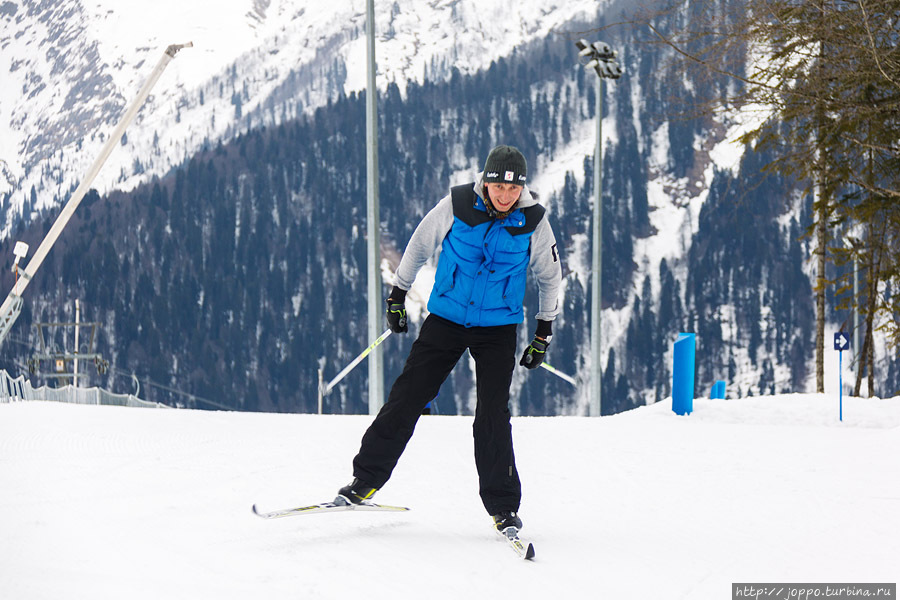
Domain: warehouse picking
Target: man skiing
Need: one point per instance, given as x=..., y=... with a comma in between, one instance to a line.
x=490, y=232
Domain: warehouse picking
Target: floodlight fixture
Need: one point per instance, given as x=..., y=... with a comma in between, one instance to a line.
x=585, y=51
x=600, y=57
x=20, y=251
x=611, y=70
x=603, y=50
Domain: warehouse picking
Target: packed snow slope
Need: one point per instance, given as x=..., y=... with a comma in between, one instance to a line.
x=106, y=502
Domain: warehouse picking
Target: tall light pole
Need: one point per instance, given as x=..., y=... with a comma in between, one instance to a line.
x=600, y=58
x=373, y=221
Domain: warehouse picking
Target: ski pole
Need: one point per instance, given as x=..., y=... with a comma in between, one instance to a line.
x=559, y=373
x=356, y=361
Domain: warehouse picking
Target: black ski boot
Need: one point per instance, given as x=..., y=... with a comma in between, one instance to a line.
x=506, y=519
x=355, y=492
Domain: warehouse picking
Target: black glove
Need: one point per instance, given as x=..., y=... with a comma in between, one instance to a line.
x=396, y=311
x=534, y=353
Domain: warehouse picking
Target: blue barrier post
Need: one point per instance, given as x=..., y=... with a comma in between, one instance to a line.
x=683, y=374
x=718, y=391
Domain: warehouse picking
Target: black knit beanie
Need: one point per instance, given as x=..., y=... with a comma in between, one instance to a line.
x=505, y=164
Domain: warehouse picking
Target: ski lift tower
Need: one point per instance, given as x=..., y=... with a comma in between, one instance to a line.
x=63, y=364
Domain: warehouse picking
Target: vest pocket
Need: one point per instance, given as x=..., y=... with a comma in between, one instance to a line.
x=446, y=280
x=515, y=291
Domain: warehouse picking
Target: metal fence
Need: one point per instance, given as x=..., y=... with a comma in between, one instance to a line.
x=16, y=389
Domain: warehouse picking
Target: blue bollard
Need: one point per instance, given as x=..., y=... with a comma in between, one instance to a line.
x=683, y=374
x=718, y=391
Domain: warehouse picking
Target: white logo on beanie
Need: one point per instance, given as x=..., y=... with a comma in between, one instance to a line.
x=508, y=176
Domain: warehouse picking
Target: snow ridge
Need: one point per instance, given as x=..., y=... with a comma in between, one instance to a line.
x=70, y=68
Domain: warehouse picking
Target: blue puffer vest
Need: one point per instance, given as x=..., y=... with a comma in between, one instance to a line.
x=480, y=279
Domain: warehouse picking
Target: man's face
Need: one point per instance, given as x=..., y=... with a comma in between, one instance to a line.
x=503, y=195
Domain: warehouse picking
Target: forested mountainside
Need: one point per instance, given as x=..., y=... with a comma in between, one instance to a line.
x=239, y=274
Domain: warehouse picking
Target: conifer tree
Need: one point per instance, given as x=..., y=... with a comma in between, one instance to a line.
x=829, y=72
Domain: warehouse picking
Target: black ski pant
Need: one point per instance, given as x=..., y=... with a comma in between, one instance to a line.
x=438, y=348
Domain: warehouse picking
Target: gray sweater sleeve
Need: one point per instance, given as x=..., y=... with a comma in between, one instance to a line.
x=547, y=271
x=424, y=242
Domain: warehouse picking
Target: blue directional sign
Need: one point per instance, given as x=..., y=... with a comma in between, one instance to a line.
x=841, y=343
x=842, y=340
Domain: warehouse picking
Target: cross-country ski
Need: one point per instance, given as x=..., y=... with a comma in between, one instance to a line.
x=325, y=507
x=521, y=547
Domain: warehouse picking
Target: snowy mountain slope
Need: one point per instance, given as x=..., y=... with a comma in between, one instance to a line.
x=69, y=68
x=107, y=502
x=258, y=63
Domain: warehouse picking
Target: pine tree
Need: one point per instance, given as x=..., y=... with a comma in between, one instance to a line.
x=831, y=71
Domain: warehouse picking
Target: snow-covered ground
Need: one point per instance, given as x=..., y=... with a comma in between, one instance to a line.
x=108, y=502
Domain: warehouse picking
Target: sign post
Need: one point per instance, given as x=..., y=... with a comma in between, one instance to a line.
x=841, y=343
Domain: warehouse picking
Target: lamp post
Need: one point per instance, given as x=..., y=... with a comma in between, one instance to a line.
x=600, y=58
x=375, y=308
